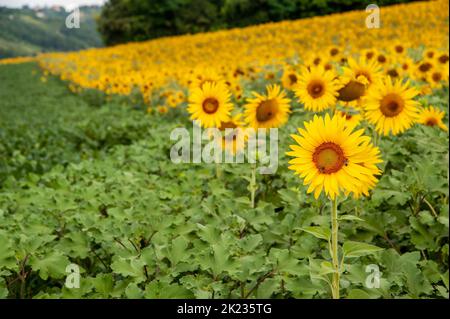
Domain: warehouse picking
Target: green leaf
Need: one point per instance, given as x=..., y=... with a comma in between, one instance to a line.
x=7, y=259
x=132, y=267
x=3, y=289
x=358, y=294
x=318, y=232
x=357, y=249
x=350, y=217
x=52, y=265
x=133, y=291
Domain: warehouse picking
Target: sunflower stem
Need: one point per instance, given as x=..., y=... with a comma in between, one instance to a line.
x=218, y=171
x=253, y=186
x=376, y=138
x=334, y=249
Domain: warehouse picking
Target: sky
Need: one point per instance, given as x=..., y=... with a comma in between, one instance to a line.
x=41, y=3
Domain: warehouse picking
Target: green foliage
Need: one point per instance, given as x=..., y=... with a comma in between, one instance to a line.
x=34, y=135
x=137, y=20
x=140, y=226
x=23, y=33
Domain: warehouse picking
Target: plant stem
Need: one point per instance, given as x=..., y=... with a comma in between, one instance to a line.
x=433, y=211
x=253, y=186
x=334, y=249
x=218, y=171
x=376, y=138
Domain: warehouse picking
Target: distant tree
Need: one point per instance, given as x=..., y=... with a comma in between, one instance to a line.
x=135, y=20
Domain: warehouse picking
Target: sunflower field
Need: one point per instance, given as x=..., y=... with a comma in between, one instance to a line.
x=356, y=208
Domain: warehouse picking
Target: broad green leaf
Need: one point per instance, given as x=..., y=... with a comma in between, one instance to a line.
x=357, y=249
x=319, y=232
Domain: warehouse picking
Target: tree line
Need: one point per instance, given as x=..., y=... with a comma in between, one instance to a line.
x=137, y=20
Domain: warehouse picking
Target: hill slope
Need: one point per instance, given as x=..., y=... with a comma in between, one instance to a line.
x=27, y=31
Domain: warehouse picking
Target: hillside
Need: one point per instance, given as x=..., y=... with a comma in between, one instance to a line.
x=28, y=31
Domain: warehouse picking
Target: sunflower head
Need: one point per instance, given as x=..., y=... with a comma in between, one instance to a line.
x=210, y=104
x=317, y=88
x=358, y=78
x=352, y=119
x=432, y=116
x=289, y=78
x=330, y=157
x=364, y=71
x=398, y=49
x=233, y=135
x=390, y=107
x=267, y=111
x=202, y=76
x=437, y=77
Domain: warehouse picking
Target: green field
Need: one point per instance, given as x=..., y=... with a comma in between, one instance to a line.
x=86, y=180
x=24, y=33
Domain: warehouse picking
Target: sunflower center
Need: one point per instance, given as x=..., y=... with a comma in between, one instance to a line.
x=437, y=77
x=316, y=89
x=225, y=125
x=424, y=67
x=381, y=58
x=334, y=51
x=266, y=110
x=443, y=58
x=391, y=105
x=329, y=158
x=399, y=49
x=369, y=55
x=431, y=122
x=210, y=105
x=352, y=91
x=293, y=78
x=393, y=73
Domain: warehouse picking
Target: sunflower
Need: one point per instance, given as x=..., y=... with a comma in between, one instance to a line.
x=383, y=59
x=334, y=52
x=234, y=137
x=393, y=72
x=436, y=78
x=210, y=104
x=429, y=54
x=205, y=75
x=352, y=119
x=162, y=109
x=289, y=78
x=368, y=54
x=422, y=69
x=442, y=58
x=266, y=111
x=405, y=66
x=390, y=107
x=398, y=49
x=331, y=157
x=358, y=78
x=432, y=116
x=317, y=89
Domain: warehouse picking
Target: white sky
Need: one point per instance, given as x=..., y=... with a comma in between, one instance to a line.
x=41, y=3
